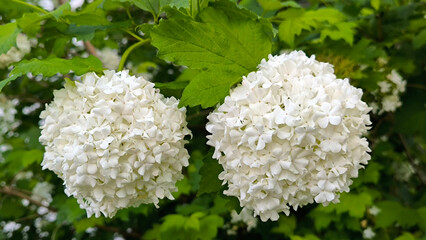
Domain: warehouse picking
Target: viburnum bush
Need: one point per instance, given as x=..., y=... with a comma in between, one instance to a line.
x=212, y=119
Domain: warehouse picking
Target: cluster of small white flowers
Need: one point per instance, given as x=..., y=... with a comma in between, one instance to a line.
x=7, y=116
x=245, y=216
x=115, y=140
x=390, y=90
x=16, y=54
x=289, y=134
x=7, y=121
x=42, y=192
x=109, y=58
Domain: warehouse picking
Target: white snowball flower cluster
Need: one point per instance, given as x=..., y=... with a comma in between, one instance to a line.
x=390, y=90
x=115, y=140
x=289, y=134
x=109, y=58
x=16, y=54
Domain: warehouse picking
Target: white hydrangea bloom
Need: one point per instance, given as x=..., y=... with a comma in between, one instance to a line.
x=390, y=90
x=289, y=134
x=115, y=140
x=109, y=58
x=16, y=54
x=245, y=216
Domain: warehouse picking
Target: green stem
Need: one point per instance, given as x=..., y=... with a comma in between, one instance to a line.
x=130, y=16
x=31, y=6
x=134, y=35
x=129, y=50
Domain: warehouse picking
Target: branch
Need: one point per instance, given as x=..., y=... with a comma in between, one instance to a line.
x=404, y=143
x=90, y=48
x=11, y=191
x=8, y=190
x=117, y=230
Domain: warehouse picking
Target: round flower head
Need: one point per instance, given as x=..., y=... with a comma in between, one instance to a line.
x=289, y=134
x=16, y=54
x=115, y=141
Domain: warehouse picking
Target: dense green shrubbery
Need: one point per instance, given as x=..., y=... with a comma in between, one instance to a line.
x=196, y=51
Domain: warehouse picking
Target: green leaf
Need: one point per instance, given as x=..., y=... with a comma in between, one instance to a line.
x=272, y=5
x=8, y=34
x=209, y=176
x=342, y=30
x=93, y=18
x=209, y=88
x=375, y=4
x=85, y=223
x=389, y=213
x=406, y=236
x=11, y=208
x=52, y=66
x=68, y=209
x=57, y=13
x=286, y=225
x=30, y=23
x=306, y=237
x=322, y=219
x=32, y=156
x=420, y=39
x=354, y=204
x=422, y=215
x=224, y=45
x=371, y=174
x=156, y=6
x=209, y=226
x=297, y=20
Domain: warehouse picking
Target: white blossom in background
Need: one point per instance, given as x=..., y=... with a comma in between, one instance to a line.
x=42, y=192
x=245, y=216
x=15, y=54
x=374, y=210
x=7, y=122
x=7, y=116
x=289, y=135
x=11, y=227
x=76, y=4
x=389, y=93
x=115, y=140
x=109, y=58
x=48, y=5
x=368, y=233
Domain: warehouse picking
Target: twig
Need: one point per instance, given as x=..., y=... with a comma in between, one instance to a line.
x=419, y=86
x=90, y=48
x=8, y=190
x=404, y=143
x=198, y=114
x=31, y=6
x=30, y=217
x=117, y=230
